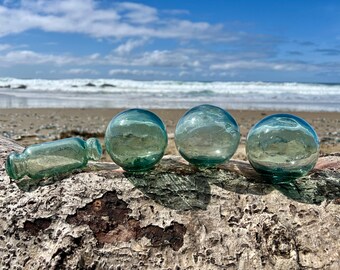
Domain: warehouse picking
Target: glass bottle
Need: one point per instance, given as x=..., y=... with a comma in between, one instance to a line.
x=52, y=158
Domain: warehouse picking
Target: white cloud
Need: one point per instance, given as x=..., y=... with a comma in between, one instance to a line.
x=4, y=47
x=69, y=7
x=137, y=72
x=80, y=71
x=262, y=65
x=185, y=29
x=166, y=58
x=128, y=46
x=94, y=56
x=182, y=63
x=138, y=13
x=123, y=19
x=27, y=57
x=223, y=74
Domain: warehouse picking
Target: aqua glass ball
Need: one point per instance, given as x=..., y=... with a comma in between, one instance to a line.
x=283, y=146
x=136, y=139
x=207, y=136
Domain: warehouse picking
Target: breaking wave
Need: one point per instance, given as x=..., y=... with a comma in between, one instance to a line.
x=168, y=94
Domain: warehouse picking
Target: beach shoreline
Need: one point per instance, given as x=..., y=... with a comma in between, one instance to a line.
x=30, y=126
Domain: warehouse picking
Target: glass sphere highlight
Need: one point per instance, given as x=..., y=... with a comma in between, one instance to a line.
x=136, y=139
x=283, y=146
x=207, y=135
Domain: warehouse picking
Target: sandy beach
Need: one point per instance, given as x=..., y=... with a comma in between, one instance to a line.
x=30, y=126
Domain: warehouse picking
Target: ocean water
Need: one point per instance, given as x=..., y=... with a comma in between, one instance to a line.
x=109, y=93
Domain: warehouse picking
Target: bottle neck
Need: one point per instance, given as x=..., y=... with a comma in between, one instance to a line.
x=93, y=149
x=16, y=166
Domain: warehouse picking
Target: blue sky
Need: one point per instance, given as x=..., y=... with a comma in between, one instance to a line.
x=200, y=40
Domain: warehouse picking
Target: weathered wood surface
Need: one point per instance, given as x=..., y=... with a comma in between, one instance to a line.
x=174, y=217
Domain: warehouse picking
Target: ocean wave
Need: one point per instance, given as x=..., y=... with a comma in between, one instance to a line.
x=112, y=85
x=175, y=94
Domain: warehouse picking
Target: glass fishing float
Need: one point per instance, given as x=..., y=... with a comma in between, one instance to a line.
x=283, y=146
x=136, y=139
x=207, y=135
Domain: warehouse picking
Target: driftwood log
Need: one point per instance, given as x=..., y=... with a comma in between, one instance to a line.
x=174, y=217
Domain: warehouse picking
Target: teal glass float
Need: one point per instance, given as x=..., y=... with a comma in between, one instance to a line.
x=136, y=139
x=52, y=158
x=207, y=135
x=282, y=146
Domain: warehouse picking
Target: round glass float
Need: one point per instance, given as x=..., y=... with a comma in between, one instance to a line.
x=136, y=139
x=206, y=136
x=283, y=146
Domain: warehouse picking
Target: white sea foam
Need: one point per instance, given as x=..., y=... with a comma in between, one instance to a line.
x=168, y=94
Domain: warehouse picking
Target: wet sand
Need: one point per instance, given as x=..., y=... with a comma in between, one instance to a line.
x=29, y=126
